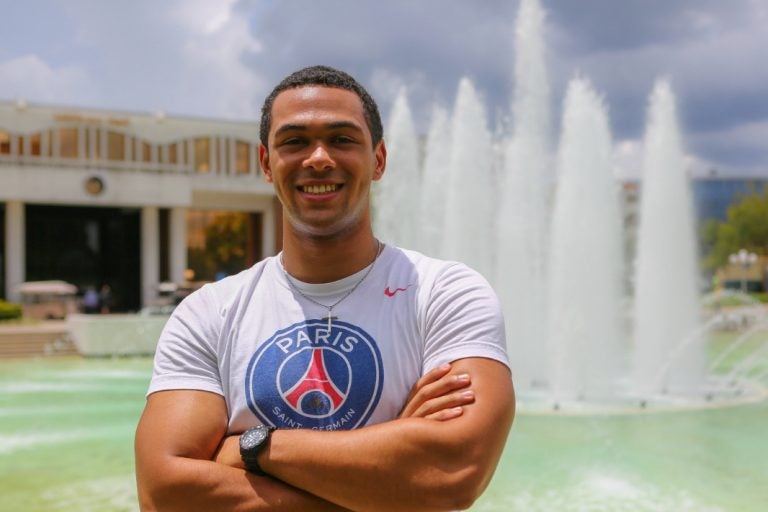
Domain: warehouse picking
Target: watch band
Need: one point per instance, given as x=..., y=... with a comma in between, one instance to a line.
x=250, y=454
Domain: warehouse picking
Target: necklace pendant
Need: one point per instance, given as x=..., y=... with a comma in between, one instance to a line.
x=330, y=318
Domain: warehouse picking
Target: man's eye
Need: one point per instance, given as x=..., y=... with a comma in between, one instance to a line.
x=343, y=139
x=292, y=141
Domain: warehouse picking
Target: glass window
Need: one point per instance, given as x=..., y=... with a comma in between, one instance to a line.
x=115, y=146
x=146, y=152
x=35, y=144
x=242, y=157
x=68, y=142
x=173, y=156
x=5, y=143
x=202, y=161
x=217, y=243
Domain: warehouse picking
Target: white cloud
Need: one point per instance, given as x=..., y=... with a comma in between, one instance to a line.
x=213, y=69
x=30, y=77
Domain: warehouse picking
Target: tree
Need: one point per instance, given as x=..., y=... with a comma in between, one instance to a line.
x=746, y=227
x=225, y=247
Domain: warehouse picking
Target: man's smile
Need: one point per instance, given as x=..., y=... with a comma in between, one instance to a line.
x=320, y=189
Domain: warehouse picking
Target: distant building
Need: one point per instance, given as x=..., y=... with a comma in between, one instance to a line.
x=713, y=195
x=97, y=197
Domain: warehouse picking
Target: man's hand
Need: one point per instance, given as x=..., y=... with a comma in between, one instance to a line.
x=439, y=395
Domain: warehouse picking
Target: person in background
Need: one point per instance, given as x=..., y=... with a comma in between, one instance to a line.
x=90, y=301
x=105, y=299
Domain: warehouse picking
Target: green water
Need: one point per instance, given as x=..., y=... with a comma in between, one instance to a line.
x=66, y=443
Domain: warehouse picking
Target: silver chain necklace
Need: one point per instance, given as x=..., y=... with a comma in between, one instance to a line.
x=288, y=278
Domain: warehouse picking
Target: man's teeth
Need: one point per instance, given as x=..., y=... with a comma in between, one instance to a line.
x=319, y=189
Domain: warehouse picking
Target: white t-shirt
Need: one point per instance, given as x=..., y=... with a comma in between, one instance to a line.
x=267, y=350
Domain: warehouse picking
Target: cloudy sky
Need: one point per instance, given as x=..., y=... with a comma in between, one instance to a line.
x=218, y=58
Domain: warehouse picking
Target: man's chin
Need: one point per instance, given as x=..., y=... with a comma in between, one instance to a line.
x=323, y=229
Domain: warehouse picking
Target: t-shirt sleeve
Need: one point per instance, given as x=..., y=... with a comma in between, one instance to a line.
x=463, y=319
x=186, y=351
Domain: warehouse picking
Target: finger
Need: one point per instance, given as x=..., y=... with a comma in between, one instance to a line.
x=445, y=402
x=443, y=387
x=431, y=376
x=446, y=414
x=434, y=375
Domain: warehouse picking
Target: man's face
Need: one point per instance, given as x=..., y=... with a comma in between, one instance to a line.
x=321, y=159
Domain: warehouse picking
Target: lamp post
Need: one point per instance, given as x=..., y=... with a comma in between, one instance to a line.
x=745, y=259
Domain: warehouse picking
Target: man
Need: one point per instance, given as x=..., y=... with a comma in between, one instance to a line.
x=383, y=371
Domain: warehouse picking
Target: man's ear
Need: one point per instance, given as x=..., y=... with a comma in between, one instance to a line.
x=380, y=153
x=264, y=162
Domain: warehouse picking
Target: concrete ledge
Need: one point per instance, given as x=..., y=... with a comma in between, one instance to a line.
x=34, y=340
x=115, y=335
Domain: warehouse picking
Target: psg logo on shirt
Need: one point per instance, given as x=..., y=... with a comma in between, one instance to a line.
x=307, y=377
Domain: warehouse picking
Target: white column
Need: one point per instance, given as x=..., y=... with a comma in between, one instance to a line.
x=14, y=249
x=177, y=250
x=150, y=253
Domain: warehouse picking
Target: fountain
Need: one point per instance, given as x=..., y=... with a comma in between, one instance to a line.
x=433, y=199
x=404, y=182
x=578, y=341
x=523, y=217
x=666, y=303
x=586, y=258
x=466, y=229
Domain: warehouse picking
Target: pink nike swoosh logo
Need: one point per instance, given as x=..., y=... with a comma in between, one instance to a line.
x=390, y=293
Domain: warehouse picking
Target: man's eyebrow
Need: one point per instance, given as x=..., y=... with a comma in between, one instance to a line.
x=290, y=127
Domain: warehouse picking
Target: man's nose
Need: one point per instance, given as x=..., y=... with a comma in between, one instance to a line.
x=319, y=159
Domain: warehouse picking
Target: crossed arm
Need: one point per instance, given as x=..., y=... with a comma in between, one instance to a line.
x=185, y=460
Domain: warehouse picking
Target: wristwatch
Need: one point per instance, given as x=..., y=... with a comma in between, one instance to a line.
x=252, y=442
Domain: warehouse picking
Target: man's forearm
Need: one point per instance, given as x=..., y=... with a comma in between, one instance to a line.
x=177, y=437
x=189, y=484
x=398, y=465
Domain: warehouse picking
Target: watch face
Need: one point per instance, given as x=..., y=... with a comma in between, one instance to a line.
x=253, y=437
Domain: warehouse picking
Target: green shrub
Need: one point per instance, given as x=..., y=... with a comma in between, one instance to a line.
x=9, y=311
x=761, y=296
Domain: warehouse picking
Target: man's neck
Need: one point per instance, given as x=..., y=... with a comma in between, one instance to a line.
x=323, y=260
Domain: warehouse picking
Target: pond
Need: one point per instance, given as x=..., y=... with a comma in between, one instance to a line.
x=66, y=443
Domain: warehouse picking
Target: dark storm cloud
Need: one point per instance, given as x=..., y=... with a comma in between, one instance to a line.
x=708, y=49
x=429, y=44
x=596, y=25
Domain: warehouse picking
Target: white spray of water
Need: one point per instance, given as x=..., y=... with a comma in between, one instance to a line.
x=436, y=162
x=586, y=258
x=400, y=188
x=666, y=302
x=522, y=223
x=468, y=186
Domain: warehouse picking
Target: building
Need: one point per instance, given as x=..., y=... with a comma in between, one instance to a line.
x=714, y=194
x=96, y=197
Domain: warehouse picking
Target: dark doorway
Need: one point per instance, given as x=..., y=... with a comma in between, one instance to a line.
x=88, y=247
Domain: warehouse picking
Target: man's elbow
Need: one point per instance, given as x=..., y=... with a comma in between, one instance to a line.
x=460, y=489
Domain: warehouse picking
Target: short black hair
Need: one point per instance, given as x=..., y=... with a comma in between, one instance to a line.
x=328, y=77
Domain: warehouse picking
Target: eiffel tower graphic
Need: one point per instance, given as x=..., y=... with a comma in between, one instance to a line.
x=315, y=379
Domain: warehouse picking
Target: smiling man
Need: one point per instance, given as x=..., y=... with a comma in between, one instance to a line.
x=341, y=374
